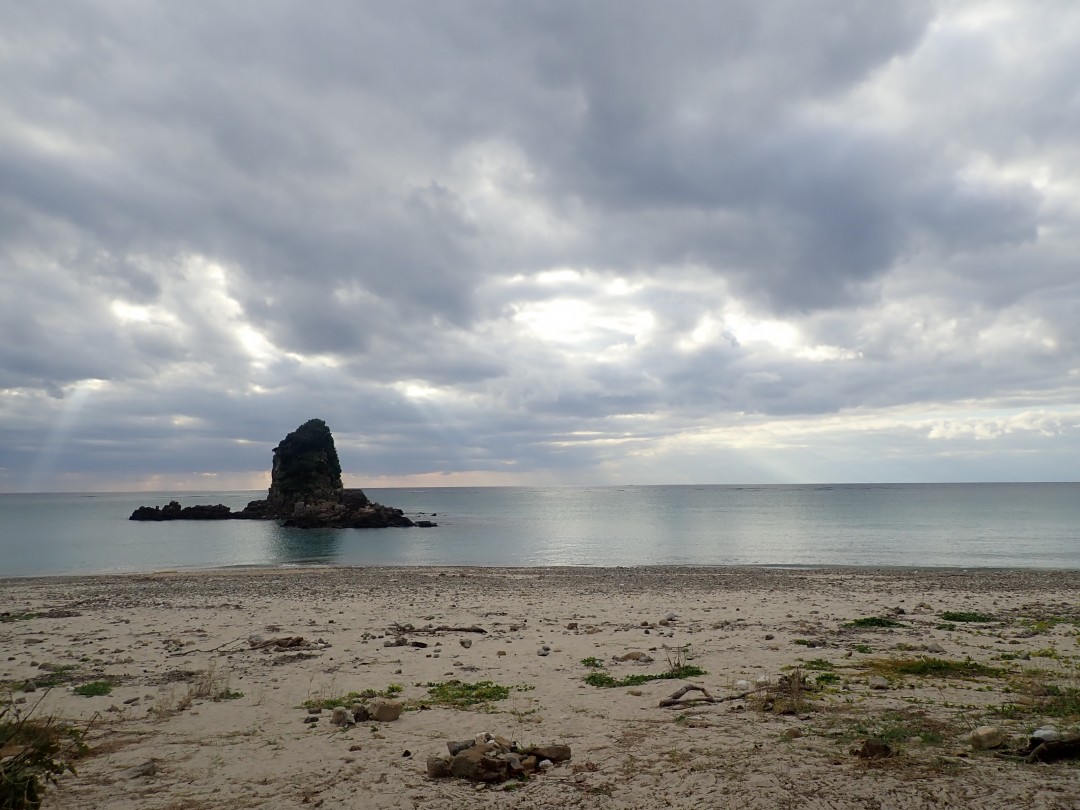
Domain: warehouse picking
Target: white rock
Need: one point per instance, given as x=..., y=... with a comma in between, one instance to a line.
x=742, y=686
x=1046, y=734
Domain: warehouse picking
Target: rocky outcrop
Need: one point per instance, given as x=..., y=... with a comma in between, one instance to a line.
x=173, y=511
x=305, y=491
x=305, y=470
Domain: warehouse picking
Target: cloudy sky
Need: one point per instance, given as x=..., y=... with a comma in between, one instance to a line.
x=537, y=242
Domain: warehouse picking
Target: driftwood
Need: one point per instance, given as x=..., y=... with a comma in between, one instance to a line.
x=672, y=701
x=1052, y=751
x=406, y=629
x=254, y=643
x=182, y=653
x=280, y=643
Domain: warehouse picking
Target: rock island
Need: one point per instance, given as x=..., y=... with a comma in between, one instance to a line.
x=305, y=492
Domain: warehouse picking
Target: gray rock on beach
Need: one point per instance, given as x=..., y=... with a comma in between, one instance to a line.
x=479, y=764
x=385, y=711
x=986, y=737
x=341, y=717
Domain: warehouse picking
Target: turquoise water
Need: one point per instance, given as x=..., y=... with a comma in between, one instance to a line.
x=963, y=525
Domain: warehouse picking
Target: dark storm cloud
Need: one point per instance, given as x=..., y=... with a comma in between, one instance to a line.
x=531, y=235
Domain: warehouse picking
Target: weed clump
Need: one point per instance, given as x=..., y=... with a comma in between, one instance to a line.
x=928, y=667
x=898, y=726
x=33, y=754
x=604, y=680
x=459, y=695
x=966, y=616
x=874, y=621
x=93, y=689
x=8, y=616
x=787, y=695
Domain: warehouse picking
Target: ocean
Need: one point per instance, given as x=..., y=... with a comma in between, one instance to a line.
x=872, y=525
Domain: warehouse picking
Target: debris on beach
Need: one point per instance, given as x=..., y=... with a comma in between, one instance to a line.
x=1054, y=750
x=490, y=758
x=872, y=749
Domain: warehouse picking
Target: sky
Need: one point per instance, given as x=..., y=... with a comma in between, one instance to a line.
x=539, y=242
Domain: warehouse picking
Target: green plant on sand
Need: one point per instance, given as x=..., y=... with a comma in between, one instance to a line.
x=93, y=689
x=460, y=695
x=603, y=679
x=928, y=667
x=965, y=616
x=33, y=754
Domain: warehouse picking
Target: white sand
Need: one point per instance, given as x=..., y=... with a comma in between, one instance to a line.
x=256, y=751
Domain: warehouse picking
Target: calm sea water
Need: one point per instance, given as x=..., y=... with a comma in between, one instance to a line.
x=964, y=525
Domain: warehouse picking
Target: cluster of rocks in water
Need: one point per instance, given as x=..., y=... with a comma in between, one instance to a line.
x=491, y=758
x=305, y=492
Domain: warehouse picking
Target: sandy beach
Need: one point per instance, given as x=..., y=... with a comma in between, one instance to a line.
x=210, y=676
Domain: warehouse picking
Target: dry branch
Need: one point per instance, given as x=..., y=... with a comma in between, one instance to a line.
x=674, y=699
x=406, y=629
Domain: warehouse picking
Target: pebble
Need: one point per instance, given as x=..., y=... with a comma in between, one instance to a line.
x=465, y=642
x=545, y=650
x=877, y=682
x=148, y=768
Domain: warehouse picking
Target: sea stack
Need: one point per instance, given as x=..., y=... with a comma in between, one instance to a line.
x=305, y=491
x=305, y=469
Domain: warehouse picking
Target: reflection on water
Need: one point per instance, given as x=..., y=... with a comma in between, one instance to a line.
x=288, y=545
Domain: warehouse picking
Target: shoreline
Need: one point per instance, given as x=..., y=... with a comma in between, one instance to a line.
x=241, y=569
x=159, y=638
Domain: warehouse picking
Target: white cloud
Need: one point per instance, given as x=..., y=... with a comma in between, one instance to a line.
x=598, y=243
